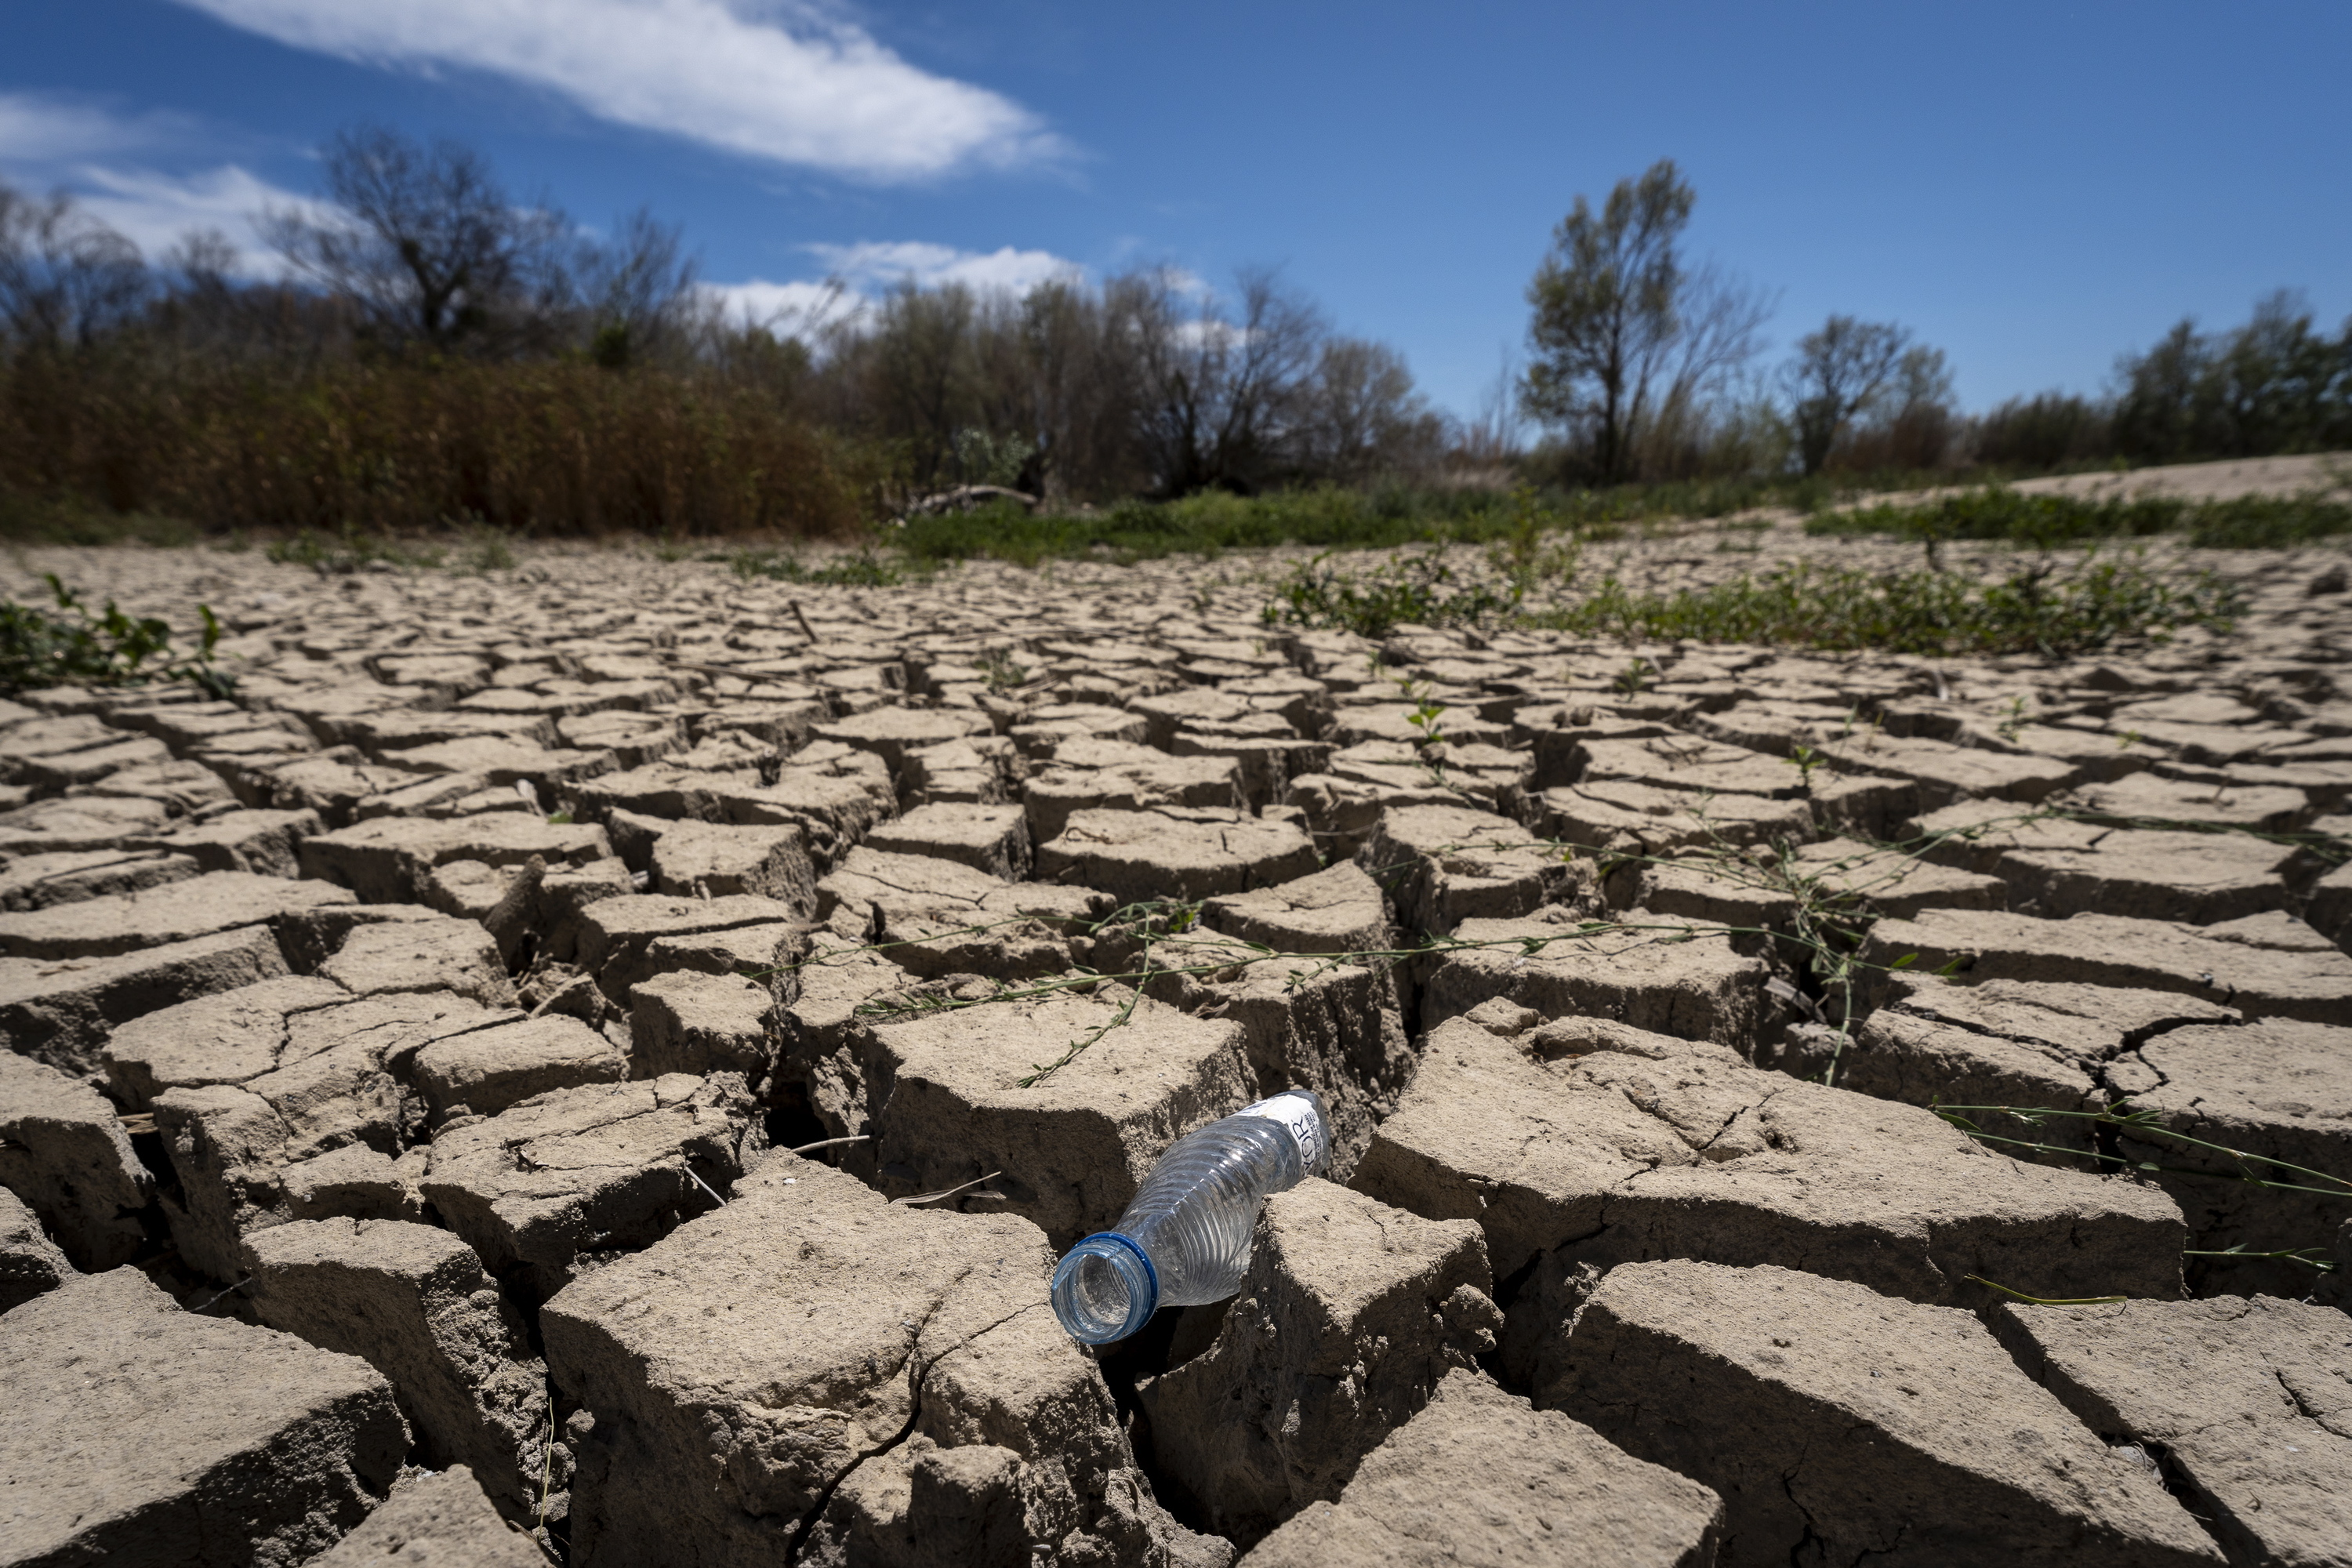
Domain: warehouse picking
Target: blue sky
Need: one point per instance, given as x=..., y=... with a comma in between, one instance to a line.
x=2034, y=188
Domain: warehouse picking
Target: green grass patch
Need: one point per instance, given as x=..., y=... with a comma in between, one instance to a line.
x=76, y=645
x=486, y=549
x=351, y=549
x=26, y=520
x=2039, y=610
x=1003, y=673
x=1331, y=518
x=2262, y=522
x=1206, y=524
x=1418, y=590
x=480, y=548
x=1996, y=512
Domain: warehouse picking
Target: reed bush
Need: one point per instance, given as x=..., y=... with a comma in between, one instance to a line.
x=543, y=449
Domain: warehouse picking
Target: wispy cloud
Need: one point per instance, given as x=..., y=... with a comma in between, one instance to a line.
x=790, y=81
x=855, y=274
x=44, y=128
x=871, y=265
x=99, y=155
x=157, y=209
x=790, y=309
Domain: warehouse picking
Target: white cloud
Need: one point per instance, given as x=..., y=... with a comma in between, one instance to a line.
x=156, y=210
x=1187, y=283
x=793, y=84
x=872, y=265
x=855, y=274
x=39, y=127
x=93, y=153
x=788, y=310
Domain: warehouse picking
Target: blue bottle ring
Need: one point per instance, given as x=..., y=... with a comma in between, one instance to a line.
x=1127, y=1258
x=1151, y=1275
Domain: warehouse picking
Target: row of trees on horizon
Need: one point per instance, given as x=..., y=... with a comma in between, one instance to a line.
x=1645, y=367
x=435, y=348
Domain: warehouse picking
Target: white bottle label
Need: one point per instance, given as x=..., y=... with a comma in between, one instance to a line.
x=1298, y=1117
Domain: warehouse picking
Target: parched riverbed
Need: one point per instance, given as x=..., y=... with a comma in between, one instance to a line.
x=610, y=1051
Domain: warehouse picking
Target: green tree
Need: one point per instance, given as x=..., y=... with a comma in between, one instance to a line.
x=1604, y=305
x=2274, y=385
x=1623, y=332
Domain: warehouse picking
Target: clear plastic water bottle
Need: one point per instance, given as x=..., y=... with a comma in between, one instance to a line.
x=1185, y=1239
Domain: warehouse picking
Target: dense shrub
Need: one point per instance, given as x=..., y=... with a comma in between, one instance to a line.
x=2036, y=434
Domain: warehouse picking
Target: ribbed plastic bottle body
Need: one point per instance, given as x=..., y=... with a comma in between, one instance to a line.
x=1195, y=1212
x=1185, y=1237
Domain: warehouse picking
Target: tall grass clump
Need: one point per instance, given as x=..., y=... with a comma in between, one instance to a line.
x=2260, y=523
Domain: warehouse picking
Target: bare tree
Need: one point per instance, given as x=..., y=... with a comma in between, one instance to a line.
x=1144, y=382
x=1268, y=357
x=67, y=279
x=206, y=310
x=1360, y=417
x=1219, y=390
x=426, y=243
x=1839, y=370
x=1493, y=435
x=202, y=261
x=1718, y=331
x=636, y=290
x=1606, y=314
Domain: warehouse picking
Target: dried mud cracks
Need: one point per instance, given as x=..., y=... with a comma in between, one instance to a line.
x=405, y=1062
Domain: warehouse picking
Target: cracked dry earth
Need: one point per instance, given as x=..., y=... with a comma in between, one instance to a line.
x=406, y=1063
